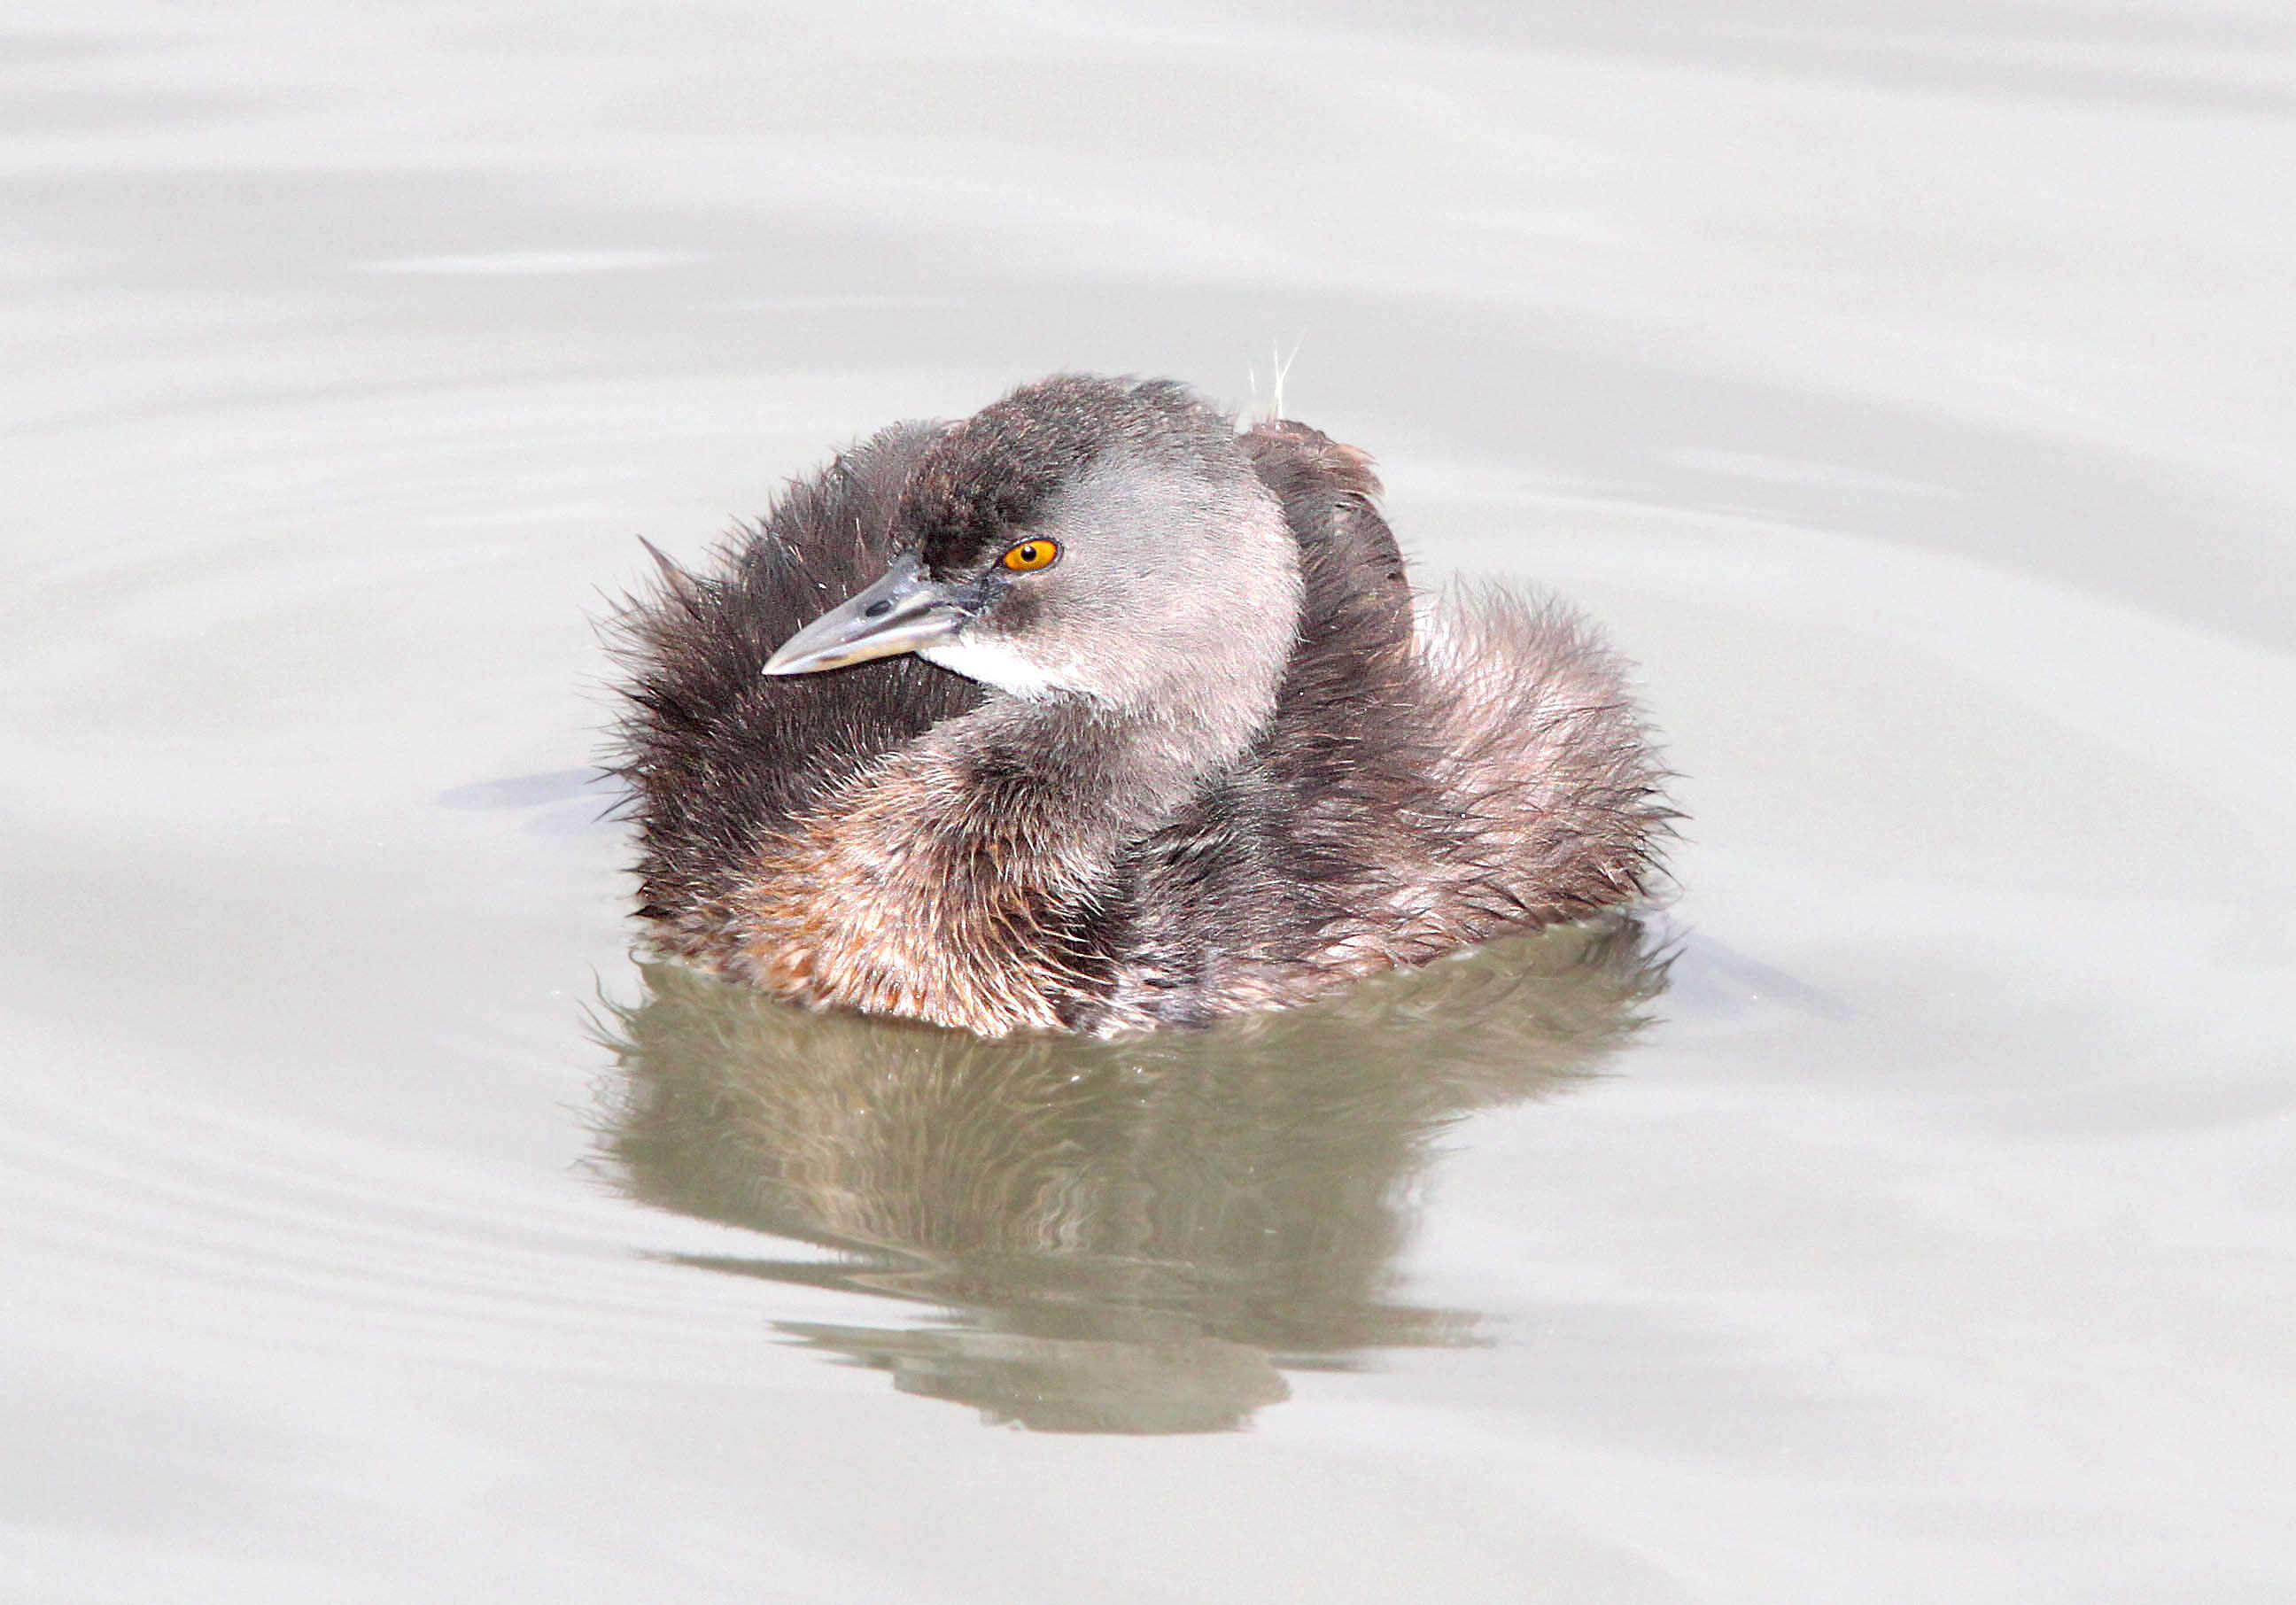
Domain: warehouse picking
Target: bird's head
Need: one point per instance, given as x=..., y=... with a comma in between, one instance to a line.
x=1084, y=537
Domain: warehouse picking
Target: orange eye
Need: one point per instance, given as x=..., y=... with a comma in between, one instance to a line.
x=1029, y=556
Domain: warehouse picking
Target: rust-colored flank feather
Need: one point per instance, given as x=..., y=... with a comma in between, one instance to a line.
x=1212, y=758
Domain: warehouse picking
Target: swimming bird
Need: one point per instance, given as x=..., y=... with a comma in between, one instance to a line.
x=1091, y=713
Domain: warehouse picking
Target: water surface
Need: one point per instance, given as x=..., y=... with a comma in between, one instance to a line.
x=1906, y=1217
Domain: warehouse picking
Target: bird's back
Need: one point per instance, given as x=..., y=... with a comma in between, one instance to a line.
x=1428, y=782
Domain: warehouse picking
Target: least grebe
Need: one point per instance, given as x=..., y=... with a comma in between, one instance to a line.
x=1090, y=713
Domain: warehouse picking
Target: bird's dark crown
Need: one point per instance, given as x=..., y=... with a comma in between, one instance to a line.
x=991, y=475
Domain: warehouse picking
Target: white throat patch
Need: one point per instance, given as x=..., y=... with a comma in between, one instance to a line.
x=994, y=663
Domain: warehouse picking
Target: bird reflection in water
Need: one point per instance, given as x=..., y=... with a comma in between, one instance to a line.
x=1132, y=1235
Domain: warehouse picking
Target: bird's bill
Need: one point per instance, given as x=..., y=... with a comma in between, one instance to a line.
x=905, y=610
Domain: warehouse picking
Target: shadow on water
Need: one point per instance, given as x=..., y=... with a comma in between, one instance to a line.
x=1133, y=1236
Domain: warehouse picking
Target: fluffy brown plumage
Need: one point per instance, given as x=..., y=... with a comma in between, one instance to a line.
x=1220, y=763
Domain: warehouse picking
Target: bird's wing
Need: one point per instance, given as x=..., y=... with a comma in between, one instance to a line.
x=719, y=755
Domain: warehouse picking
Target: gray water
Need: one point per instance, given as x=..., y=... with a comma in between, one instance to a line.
x=1905, y=1216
